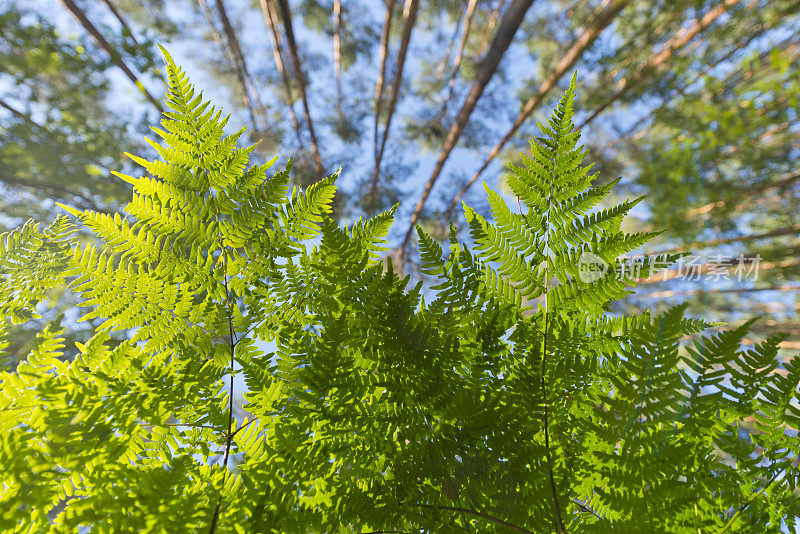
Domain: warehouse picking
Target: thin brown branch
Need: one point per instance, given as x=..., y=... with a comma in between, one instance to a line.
x=379, y=85
x=17, y=113
x=127, y=28
x=243, y=426
x=451, y=84
x=247, y=103
x=409, y=19
x=661, y=57
x=101, y=41
x=449, y=50
x=654, y=28
x=487, y=34
x=585, y=508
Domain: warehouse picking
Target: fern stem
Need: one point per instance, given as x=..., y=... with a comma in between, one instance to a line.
x=558, y=523
x=457, y=500
x=512, y=526
x=214, y=518
x=248, y=423
x=752, y=498
x=232, y=345
x=585, y=508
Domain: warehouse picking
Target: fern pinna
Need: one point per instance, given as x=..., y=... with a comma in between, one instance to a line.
x=512, y=401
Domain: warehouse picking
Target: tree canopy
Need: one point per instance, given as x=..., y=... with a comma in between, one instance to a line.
x=692, y=101
x=379, y=410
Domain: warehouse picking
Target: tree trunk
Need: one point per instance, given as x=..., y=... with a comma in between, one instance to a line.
x=409, y=18
x=658, y=59
x=450, y=44
x=244, y=95
x=451, y=84
x=384, y=53
x=597, y=22
x=508, y=27
x=102, y=43
x=487, y=34
x=301, y=84
x=337, y=53
x=277, y=47
x=241, y=66
x=126, y=27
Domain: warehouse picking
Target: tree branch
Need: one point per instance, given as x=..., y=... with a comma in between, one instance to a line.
x=101, y=41
x=451, y=84
x=668, y=50
x=240, y=65
x=228, y=51
x=384, y=53
x=682, y=90
x=487, y=34
x=127, y=28
x=337, y=53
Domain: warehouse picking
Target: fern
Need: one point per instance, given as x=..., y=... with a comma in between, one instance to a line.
x=511, y=402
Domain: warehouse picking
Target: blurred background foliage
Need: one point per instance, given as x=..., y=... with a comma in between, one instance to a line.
x=693, y=102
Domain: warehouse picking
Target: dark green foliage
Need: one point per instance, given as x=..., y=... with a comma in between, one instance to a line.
x=58, y=139
x=376, y=411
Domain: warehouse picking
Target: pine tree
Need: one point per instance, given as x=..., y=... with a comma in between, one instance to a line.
x=377, y=411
